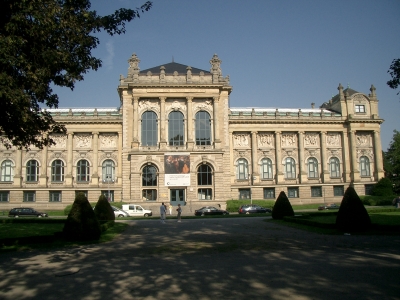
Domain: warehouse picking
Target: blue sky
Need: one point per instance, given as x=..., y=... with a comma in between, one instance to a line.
x=286, y=53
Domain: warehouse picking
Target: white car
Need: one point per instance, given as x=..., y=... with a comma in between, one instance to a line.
x=119, y=213
x=135, y=210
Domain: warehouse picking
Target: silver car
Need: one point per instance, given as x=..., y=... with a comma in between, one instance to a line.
x=119, y=213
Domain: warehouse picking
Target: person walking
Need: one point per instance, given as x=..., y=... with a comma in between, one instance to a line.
x=179, y=210
x=170, y=209
x=162, y=212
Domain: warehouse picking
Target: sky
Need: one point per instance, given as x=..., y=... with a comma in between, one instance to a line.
x=281, y=53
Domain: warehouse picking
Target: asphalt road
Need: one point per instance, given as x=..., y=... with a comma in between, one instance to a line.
x=234, y=258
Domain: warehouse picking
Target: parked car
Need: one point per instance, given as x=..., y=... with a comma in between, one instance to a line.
x=253, y=209
x=119, y=213
x=26, y=212
x=328, y=206
x=210, y=210
x=135, y=210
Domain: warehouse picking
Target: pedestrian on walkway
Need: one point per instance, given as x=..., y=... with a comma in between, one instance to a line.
x=170, y=209
x=179, y=210
x=163, y=210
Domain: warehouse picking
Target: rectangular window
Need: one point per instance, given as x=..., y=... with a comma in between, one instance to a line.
x=149, y=195
x=293, y=192
x=204, y=194
x=244, y=194
x=360, y=109
x=29, y=196
x=55, y=196
x=4, y=196
x=109, y=195
x=369, y=188
x=269, y=193
x=338, y=190
x=316, y=191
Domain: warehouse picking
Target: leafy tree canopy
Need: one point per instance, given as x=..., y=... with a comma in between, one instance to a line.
x=45, y=42
x=394, y=71
x=392, y=160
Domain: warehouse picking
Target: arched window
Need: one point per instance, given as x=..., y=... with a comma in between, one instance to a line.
x=57, y=170
x=312, y=167
x=290, y=168
x=82, y=171
x=203, y=128
x=7, y=172
x=266, y=169
x=364, y=166
x=334, y=167
x=32, y=171
x=176, y=131
x=108, y=170
x=242, y=169
x=149, y=176
x=149, y=129
x=204, y=177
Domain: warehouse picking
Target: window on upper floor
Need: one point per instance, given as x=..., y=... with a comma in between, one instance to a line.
x=312, y=167
x=83, y=171
x=176, y=129
x=334, y=167
x=57, y=171
x=204, y=175
x=203, y=128
x=242, y=169
x=108, y=171
x=149, y=129
x=360, y=108
x=266, y=169
x=149, y=176
x=364, y=166
x=7, y=173
x=290, y=168
x=32, y=171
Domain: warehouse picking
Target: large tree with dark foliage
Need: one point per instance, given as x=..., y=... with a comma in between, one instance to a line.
x=45, y=43
x=394, y=71
x=392, y=161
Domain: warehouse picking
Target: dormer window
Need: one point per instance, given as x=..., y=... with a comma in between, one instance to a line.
x=360, y=108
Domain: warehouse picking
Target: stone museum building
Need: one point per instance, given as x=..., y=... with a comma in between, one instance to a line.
x=175, y=138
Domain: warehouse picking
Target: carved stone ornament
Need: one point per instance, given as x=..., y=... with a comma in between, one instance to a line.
x=241, y=140
x=333, y=139
x=108, y=141
x=83, y=141
x=148, y=105
x=311, y=139
x=363, y=139
x=289, y=140
x=365, y=152
x=176, y=105
x=207, y=105
x=60, y=140
x=265, y=140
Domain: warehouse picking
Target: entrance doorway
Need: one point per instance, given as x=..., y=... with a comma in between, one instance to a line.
x=177, y=196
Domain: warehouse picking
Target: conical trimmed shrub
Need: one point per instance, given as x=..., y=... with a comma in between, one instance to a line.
x=282, y=207
x=103, y=210
x=352, y=215
x=81, y=224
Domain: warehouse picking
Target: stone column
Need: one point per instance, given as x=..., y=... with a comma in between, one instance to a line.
x=217, y=141
x=254, y=155
x=43, y=171
x=18, y=169
x=346, y=165
x=379, y=173
x=278, y=158
x=135, y=123
x=119, y=167
x=355, y=172
x=189, y=134
x=69, y=176
x=163, y=134
x=95, y=173
x=324, y=172
x=302, y=169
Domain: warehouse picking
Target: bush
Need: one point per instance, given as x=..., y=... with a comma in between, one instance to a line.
x=282, y=207
x=377, y=200
x=104, y=211
x=383, y=188
x=352, y=215
x=81, y=224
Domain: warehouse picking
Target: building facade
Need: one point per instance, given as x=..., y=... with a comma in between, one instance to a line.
x=176, y=139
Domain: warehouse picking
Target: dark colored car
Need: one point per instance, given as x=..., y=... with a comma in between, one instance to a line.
x=209, y=210
x=328, y=206
x=26, y=212
x=253, y=209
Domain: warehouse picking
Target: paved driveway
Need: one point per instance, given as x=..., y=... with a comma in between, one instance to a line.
x=238, y=258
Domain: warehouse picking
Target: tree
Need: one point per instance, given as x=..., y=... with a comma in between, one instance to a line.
x=282, y=207
x=394, y=71
x=45, y=43
x=383, y=187
x=392, y=161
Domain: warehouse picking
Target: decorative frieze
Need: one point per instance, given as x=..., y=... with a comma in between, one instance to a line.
x=60, y=141
x=241, y=140
x=289, y=140
x=311, y=139
x=83, y=141
x=333, y=139
x=108, y=141
x=266, y=140
x=363, y=139
x=145, y=105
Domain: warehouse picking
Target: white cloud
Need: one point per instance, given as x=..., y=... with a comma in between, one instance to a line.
x=108, y=60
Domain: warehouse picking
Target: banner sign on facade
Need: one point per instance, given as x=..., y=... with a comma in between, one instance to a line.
x=177, y=169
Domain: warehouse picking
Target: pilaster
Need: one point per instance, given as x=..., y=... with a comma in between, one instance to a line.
x=190, y=142
x=163, y=140
x=134, y=116
x=278, y=157
x=254, y=155
x=379, y=173
x=95, y=175
x=302, y=170
x=324, y=170
x=69, y=176
x=217, y=141
x=355, y=174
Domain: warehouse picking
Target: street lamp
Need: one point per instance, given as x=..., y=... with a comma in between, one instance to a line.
x=108, y=180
